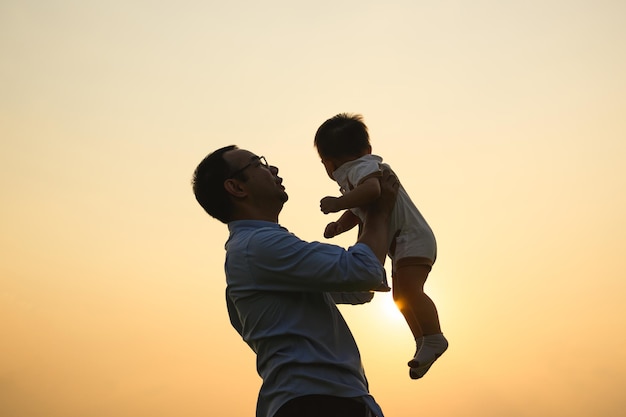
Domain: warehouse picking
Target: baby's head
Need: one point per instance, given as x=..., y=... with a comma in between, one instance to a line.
x=340, y=139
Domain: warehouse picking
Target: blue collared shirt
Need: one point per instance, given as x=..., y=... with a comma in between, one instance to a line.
x=278, y=301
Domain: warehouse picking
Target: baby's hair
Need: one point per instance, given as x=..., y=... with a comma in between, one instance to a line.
x=343, y=135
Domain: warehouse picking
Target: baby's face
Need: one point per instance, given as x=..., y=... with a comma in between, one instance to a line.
x=330, y=167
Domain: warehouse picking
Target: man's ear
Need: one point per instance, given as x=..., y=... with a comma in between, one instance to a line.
x=235, y=188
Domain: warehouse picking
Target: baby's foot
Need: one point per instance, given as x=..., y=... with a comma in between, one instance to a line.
x=417, y=373
x=431, y=348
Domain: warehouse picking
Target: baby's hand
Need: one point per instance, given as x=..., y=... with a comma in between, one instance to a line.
x=333, y=229
x=329, y=205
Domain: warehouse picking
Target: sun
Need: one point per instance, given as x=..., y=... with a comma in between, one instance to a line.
x=389, y=308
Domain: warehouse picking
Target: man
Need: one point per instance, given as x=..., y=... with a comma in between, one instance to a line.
x=279, y=288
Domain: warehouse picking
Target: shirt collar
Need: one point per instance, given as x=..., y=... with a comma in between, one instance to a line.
x=251, y=224
x=342, y=171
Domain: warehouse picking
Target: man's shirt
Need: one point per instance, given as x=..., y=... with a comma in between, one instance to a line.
x=278, y=300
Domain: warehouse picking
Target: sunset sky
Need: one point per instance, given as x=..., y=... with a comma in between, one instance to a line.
x=505, y=121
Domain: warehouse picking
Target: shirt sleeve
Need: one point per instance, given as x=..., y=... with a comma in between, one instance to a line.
x=363, y=170
x=354, y=298
x=280, y=261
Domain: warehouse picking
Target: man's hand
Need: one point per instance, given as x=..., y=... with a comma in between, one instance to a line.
x=376, y=226
x=329, y=205
x=389, y=185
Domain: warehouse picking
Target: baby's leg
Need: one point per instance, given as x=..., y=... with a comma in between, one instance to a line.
x=417, y=308
x=420, y=313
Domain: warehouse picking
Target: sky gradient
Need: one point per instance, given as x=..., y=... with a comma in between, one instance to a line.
x=503, y=119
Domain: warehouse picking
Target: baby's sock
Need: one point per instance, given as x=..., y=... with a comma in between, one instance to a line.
x=418, y=344
x=431, y=347
x=434, y=345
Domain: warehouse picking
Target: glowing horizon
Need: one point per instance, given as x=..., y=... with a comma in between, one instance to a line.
x=504, y=121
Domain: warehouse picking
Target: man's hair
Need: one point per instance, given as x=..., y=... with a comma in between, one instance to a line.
x=208, y=184
x=342, y=135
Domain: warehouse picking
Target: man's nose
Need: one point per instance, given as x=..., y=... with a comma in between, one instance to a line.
x=273, y=169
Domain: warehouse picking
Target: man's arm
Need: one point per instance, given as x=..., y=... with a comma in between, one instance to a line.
x=280, y=261
x=376, y=225
x=354, y=298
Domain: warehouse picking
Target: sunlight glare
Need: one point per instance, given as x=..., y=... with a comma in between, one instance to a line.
x=391, y=310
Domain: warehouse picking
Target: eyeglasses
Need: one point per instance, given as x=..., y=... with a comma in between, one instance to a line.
x=260, y=159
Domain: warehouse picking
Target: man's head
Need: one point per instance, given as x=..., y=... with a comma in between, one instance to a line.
x=343, y=137
x=232, y=184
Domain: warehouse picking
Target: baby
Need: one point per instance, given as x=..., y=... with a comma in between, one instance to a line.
x=343, y=144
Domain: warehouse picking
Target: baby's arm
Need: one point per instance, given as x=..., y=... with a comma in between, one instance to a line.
x=365, y=193
x=346, y=222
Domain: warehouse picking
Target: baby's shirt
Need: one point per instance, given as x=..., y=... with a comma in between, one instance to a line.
x=353, y=173
x=416, y=237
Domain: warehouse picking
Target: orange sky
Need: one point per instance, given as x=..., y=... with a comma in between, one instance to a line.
x=503, y=119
